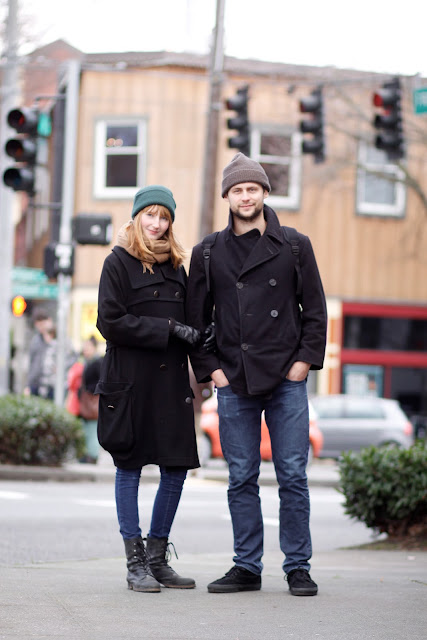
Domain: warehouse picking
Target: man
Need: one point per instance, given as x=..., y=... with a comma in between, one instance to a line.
x=265, y=347
x=43, y=324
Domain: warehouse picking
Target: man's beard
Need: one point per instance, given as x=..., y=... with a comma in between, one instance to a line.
x=251, y=218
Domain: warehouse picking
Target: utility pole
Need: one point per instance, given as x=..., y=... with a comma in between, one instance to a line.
x=72, y=80
x=9, y=98
x=208, y=195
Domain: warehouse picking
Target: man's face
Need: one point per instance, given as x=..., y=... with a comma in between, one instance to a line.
x=43, y=326
x=246, y=200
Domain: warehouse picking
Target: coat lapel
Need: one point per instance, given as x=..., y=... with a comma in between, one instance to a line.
x=269, y=244
x=133, y=266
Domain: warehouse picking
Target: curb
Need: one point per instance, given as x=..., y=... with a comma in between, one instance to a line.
x=80, y=473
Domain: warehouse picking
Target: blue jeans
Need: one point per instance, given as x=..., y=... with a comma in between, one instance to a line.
x=286, y=414
x=165, y=503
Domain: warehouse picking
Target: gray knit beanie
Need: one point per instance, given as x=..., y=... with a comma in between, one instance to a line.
x=243, y=169
x=155, y=194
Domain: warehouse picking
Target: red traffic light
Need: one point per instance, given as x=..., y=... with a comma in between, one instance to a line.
x=23, y=120
x=19, y=305
x=386, y=97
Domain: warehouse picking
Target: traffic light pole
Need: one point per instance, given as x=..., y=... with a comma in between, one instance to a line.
x=208, y=194
x=9, y=98
x=65, y=229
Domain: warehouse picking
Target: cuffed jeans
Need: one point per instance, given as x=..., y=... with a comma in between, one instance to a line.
x=286, y=414
x=165, y=504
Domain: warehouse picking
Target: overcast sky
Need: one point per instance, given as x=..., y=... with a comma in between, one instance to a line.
x=372, y=35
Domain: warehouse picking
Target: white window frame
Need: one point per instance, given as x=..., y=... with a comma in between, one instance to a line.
x=365, y=208
x=101, y=153
x=294, y=161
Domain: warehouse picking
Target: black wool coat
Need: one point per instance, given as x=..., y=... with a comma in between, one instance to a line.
x=259, y=327
x=145, y=399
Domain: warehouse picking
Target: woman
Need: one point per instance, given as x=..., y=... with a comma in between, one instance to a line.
x=145, y=398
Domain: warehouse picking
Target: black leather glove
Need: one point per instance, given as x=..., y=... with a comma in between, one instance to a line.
x=209, y=339
x=184, y=332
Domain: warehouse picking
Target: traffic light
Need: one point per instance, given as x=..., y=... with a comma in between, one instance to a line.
x=315, y=144
x=19, y=304
x=240, y=122
x=22, y=149
x=389, y=122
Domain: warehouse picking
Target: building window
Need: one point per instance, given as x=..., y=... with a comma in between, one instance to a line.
x=380, y=190
x=120, y=154
x=387, y=333
x=279, y=153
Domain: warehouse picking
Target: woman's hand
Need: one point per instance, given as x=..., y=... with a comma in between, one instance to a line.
x=184, y=332
x=209, y=339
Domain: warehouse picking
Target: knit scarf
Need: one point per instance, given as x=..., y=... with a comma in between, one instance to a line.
x=160, y=249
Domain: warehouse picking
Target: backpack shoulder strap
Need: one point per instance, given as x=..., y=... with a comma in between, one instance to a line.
x=291, y=236
x=207, y=244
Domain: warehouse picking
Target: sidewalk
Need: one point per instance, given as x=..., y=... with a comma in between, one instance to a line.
x=375, y=595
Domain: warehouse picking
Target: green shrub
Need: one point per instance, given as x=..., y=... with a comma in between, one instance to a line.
x=386, y=488
x=35, y=431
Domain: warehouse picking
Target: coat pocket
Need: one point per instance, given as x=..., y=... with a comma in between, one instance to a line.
x=115, y=425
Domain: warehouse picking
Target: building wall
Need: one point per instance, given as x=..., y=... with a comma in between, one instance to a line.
x=360, y=258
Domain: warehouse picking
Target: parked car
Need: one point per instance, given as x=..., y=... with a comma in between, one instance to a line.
x=352, y=422
x=210, y=446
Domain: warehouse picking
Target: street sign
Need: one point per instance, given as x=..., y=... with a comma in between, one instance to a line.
x=27, y=275
x=420, y=100
x=36, y=290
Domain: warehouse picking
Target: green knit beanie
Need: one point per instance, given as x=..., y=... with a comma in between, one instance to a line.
x=155, y=194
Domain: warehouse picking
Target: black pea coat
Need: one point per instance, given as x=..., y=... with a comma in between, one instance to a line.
x=260, y=330
x=145, y=399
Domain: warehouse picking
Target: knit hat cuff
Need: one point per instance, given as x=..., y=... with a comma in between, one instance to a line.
x=244, y=175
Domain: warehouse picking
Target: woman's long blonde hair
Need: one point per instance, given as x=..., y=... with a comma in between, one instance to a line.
x=138, y=240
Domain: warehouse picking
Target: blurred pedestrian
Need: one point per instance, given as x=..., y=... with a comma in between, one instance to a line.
x=48, y=376
x=268, y=337
x=145, y=398
x=43, y=323
x=83, y=377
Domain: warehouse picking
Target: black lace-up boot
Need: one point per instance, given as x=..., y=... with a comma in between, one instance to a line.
x=139, y=576
x=158, y=557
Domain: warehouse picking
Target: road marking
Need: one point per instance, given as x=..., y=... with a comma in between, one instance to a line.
x=13, y=495
x=95, y=503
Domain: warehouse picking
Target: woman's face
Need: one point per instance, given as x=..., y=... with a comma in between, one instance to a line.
x=154, y=225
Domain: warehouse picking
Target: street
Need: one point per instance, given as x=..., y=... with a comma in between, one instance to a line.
x=51, y=522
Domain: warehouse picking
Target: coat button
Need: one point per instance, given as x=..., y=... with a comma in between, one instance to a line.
x=244, y=346
x=272, y=282
x=163, y=367
x=274, y=313
x=239, y=285
x=156, y=294
x=178, y=294
x=188, y=400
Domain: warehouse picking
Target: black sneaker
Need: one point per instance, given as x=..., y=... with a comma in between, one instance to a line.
x=237, y=579
x=300, y=583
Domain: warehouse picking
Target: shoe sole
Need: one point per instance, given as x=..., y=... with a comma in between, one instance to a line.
x=231, y=589
x=131, y=587
x=179, y=586
x=303, y=592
